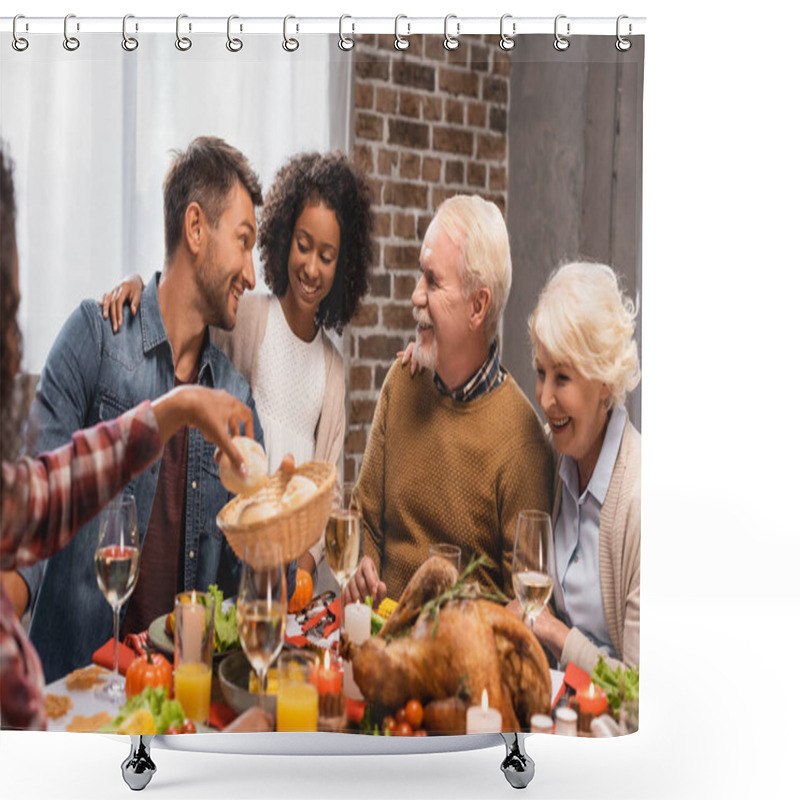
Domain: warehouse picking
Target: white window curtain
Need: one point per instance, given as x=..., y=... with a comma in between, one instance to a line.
x=92, y=145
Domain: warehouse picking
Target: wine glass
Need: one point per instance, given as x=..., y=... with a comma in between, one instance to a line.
x=116, y=563
x=532, y=568
x=343, y=536
x=449, y=552
x=261, y=607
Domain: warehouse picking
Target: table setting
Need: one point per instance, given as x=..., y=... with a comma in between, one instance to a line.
x=429, y=663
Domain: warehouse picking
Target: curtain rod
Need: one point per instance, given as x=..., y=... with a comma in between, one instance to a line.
x=452, y=25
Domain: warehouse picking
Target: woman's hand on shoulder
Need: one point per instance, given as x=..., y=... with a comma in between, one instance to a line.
x=407, y=356
x=128, y=290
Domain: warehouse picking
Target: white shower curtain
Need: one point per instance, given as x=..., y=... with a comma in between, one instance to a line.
x=91, y=133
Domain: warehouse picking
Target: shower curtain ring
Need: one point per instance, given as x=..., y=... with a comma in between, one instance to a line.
x=622, y=44
x=183, y=43
x=451, y=42
x=560, y=42
x=345, y=42
x=19, y=43
x=233, y=44
x=290, y=44
x=129, y=43
x=400, y=42
x=507, y=42
x=71, y=43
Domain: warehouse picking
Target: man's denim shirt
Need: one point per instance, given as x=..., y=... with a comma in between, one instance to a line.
x=93, y=375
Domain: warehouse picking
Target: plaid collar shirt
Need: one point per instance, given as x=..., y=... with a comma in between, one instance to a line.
x=45, y=502
x=488, y=377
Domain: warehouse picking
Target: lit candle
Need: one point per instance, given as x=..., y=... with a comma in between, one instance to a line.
x=328, y=680
x=328, y=677
x=357, y=620
x=192, y=625
x=592, y=700
x=482, y=719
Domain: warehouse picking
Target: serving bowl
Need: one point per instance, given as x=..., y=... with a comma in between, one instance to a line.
x=234, y=680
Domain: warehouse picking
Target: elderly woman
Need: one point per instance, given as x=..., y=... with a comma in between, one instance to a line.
x=586, y=360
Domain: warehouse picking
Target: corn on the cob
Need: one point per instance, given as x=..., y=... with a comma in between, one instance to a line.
x=386, y=607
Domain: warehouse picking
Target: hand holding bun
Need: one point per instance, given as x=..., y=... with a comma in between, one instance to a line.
x=257, y=471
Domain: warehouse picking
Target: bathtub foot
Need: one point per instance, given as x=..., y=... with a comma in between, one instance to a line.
x=138, y=768
x=517, y=766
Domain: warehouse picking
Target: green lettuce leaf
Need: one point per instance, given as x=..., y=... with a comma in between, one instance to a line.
x=618, y=685
x=226, y=633
x=156, y=700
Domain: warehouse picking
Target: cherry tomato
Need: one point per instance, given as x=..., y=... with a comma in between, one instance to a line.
x=400, y=715
x=421, y=732
x=414, y=714
x=188, y=726
x=389, y=724
x=404, y=729
x=174, y=728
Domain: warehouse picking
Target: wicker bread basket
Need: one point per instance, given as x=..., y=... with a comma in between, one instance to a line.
x=294, y=529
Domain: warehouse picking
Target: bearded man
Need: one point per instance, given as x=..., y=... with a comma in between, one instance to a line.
x=93, y=374
x=455, y=454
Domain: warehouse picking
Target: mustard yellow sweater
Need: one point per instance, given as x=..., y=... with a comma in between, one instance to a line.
x=437, y=470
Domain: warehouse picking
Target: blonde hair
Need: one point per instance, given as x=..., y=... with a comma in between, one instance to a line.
x=583, y=319
x=477, y=227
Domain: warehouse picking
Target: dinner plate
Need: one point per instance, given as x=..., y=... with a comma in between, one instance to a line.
x=163, y=642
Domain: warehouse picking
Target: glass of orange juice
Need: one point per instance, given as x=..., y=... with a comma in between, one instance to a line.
x=194, y=649
x=297, y=695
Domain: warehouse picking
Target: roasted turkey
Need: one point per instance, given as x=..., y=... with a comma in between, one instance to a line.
x=477, y=645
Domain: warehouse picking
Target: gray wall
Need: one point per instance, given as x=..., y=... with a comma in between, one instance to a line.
x=575, y=175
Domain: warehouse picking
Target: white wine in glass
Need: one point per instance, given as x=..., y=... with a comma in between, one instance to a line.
x=532, y=566
x=116, y=564
x=261, y=608
x=343, y=536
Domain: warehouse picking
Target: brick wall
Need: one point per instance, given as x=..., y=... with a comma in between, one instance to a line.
x=429, y=123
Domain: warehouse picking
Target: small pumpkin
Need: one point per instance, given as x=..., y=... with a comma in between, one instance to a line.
x=303, y=591
x=148, y=670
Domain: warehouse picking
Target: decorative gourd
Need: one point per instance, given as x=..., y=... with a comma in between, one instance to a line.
x=303, y=591
x=148, y=670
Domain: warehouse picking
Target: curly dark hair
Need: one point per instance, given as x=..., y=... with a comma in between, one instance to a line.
x=11, y=341
x=333, y=180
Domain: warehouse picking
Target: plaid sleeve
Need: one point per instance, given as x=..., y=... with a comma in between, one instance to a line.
x=48, y=498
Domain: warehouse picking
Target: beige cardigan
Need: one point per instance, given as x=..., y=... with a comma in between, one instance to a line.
x=620, y=535
x=242, y=346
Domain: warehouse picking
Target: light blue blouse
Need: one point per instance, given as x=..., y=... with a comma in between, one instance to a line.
x=577, y=592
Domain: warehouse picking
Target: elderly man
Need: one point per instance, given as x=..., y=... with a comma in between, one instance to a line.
x=93, y=374
x=454, y=455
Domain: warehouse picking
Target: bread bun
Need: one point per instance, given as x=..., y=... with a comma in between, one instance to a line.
x=257, y=471
x=298, y=489
x=258, y=509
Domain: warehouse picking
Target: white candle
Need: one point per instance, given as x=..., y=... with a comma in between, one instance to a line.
x=483, y=719
x=357, y=624
x=541, y=723
x=566, y=722
x=192, y=627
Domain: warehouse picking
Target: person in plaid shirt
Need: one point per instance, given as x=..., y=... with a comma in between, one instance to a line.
x=45, y=500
